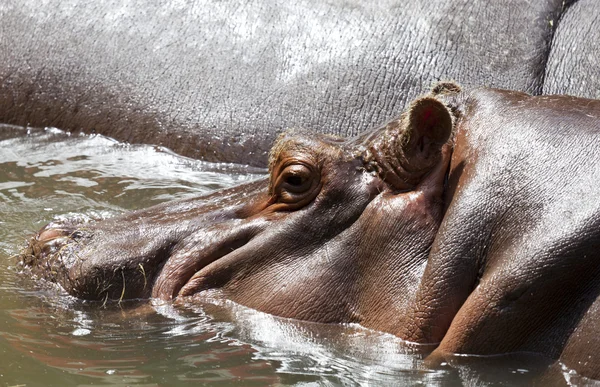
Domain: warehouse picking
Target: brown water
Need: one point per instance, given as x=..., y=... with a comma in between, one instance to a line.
x=48, y=338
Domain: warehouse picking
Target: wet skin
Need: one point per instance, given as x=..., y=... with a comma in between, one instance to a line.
x=472, y=221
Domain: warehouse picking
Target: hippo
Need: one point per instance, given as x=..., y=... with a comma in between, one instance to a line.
x=471, y=222
x=218, y=80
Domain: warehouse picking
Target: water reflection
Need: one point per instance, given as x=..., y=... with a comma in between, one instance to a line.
x=131, y=347
x=339, y=354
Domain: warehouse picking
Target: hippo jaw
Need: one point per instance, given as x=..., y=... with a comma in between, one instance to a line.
x=340, y=232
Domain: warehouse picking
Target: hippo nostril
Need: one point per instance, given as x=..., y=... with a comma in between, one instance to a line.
x=51, y=239
x=48, y=245
x=51, y=234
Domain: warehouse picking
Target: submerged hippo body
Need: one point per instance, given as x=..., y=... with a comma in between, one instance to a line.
x=471, y=221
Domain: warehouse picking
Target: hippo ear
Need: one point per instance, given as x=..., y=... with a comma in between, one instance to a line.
x=428, y=128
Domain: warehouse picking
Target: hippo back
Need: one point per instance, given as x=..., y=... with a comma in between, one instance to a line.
x=219, y=79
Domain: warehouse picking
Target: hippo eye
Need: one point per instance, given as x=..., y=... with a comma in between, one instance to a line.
x=295, y=181
x=295, y=184
x=296, y=178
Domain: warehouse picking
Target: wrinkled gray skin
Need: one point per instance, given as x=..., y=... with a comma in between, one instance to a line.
x=218, y=80
x=473, y=221
x=572, y=66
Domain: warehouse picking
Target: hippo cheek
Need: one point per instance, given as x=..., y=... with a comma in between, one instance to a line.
x=181, y=273
x=273, y=277
x=367, y=273
x=273, y=262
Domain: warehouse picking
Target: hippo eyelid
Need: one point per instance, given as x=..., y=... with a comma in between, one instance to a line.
x=296, y=184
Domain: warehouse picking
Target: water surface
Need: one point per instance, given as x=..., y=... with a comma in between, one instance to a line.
x=49, y=338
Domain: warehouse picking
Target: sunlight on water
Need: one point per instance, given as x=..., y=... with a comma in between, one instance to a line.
x=48, y=338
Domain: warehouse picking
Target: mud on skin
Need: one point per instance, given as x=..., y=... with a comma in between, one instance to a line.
x=470, y=221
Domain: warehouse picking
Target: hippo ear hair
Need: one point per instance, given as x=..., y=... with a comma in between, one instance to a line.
x=445, y=88
x=429, y=126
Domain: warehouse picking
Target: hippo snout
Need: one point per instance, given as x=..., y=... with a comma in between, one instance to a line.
x=46, y=252
x=75, y=258
x=146, y=253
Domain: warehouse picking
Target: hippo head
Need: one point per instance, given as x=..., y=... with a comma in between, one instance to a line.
x=339, y=232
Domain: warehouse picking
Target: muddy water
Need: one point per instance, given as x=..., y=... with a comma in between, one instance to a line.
x=48, y=338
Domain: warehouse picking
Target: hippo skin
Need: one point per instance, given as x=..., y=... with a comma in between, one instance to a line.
x=483, y=244
x=219, y=80
x=469, y=215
